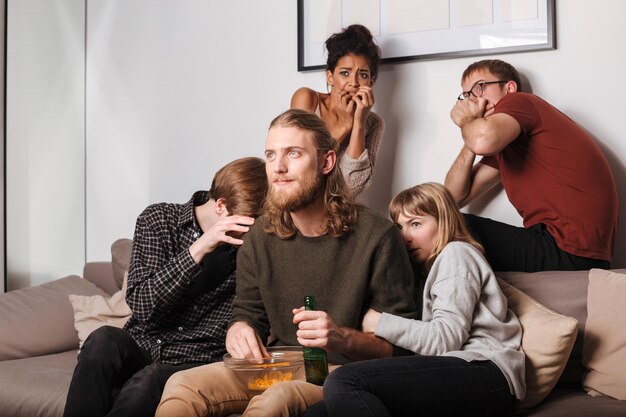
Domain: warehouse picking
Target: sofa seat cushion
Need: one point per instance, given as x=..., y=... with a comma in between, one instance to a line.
x=36, y=386
x=39, y=320
x=574, y=402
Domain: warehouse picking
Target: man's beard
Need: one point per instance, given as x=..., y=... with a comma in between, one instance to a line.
x=310, y=188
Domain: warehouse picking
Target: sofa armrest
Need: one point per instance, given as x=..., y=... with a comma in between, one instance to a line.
x=40, y=320
x=101, y=274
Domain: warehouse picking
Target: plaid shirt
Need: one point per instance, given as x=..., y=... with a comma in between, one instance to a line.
x=169, y=320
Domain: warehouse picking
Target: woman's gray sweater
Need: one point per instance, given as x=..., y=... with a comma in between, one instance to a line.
x=464, y=315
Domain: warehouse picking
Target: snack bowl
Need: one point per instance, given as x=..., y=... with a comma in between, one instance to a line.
x=285, y=363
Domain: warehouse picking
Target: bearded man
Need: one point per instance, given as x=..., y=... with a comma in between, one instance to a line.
x=311, y=240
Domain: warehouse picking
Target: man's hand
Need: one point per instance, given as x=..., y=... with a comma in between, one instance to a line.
x=465, y=111
x=226, y=230
x=242, y=341
x=370, y=321
x=489, y=110
x=317, y=329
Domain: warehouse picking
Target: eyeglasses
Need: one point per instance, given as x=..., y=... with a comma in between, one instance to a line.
x=478, y=89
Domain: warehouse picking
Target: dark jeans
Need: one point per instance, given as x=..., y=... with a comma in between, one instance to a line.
x=114, y=376
x=428, y=386
x=511, y=248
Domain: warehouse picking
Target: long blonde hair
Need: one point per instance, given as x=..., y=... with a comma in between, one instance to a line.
x=339, y=209
x=435, y=200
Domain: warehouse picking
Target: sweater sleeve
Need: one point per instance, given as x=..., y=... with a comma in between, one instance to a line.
x=454, y=291
x=358, y=172
x=392, y=285
x=248, y=304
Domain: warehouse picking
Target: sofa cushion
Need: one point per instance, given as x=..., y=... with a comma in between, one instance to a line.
x=36, y=386
x=566, y=293
x=573, y=402
x=94, y=311
x=604, y=348
x=120, y=258
x=39, y=320
x=547, y=341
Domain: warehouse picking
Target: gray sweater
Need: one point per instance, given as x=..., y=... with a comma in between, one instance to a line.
x=464, y=315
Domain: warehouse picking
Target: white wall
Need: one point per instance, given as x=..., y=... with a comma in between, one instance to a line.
x=174, y=91
x=2, y=33
x=45, y=226
x=177, y=89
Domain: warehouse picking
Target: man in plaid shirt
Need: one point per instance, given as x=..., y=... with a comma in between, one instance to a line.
x=181, y=284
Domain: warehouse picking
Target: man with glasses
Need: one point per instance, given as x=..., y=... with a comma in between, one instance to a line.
x=552, y=170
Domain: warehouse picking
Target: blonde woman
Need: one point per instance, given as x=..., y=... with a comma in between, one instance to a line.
x=467, y=358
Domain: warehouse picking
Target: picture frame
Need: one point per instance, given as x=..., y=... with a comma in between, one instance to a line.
x=409, y=30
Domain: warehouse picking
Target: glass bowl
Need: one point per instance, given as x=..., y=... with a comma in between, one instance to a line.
x=285, y=363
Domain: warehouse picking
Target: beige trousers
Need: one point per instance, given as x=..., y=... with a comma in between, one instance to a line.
x=212, y=390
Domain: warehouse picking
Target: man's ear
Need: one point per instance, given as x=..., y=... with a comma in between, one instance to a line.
x=511, y=86
x=220, y=207
x=328, y=162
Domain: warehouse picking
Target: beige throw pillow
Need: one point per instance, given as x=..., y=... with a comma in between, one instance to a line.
x=604, y=345
x=547, y=340
x=92, y=312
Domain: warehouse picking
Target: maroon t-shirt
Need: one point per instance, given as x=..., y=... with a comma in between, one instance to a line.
x=555, y=173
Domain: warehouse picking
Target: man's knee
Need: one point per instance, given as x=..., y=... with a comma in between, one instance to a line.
x=152, y=376
x=180, y=380
x=104, y=342
x=284, y=399
x=340, y=380
x=204, y=390
x=180, y=397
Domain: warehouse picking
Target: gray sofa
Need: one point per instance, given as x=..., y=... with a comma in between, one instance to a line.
x=566, y=293
x=38, y=342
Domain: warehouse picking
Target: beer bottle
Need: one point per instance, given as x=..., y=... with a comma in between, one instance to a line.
x=315, y=363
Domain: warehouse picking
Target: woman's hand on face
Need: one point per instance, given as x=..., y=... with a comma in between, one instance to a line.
x=370, y=321
x=344, y=107
x=364, y=100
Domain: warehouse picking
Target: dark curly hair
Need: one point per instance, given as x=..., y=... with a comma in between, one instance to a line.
x=356, y=40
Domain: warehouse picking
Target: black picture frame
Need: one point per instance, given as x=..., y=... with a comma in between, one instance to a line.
x=541, y=32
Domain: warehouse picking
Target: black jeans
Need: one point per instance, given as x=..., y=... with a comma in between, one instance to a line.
x=114, y=376
x=428, y=386
x=511, y=248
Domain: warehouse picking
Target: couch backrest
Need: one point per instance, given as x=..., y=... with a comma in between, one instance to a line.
x=109, y=276
x=121, y=250
x=566, y=293
x=39, y=320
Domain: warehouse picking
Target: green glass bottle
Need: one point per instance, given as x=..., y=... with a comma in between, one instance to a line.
x=315, y=363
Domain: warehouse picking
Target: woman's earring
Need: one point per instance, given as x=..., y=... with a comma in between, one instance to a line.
x=329, y=88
